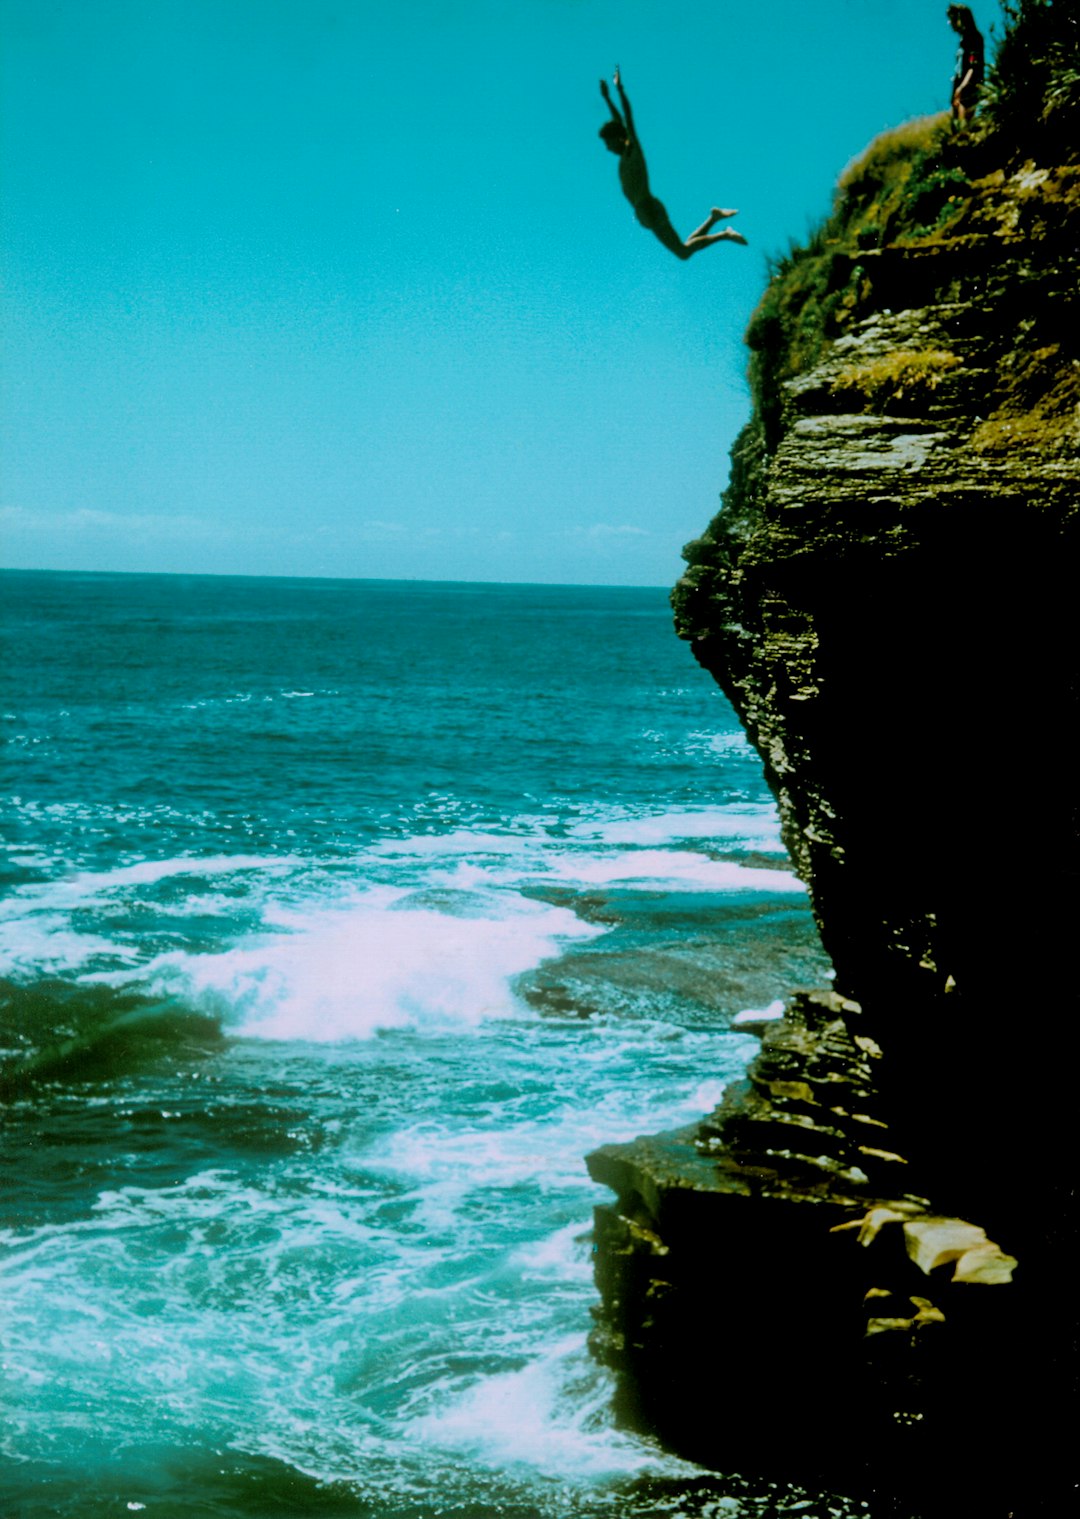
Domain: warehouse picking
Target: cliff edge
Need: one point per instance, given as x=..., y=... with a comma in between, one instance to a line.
x=861, y=1268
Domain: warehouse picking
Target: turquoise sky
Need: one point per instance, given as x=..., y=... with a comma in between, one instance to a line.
x=330, y=287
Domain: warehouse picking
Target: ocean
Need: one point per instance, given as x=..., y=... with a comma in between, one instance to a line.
x=340, y=920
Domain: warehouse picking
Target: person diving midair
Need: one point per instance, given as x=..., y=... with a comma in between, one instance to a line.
x=620, y=136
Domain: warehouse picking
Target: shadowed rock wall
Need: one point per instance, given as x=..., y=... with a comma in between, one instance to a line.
x=861, y=1268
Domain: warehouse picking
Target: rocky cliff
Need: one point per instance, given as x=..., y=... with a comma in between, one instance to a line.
x=861, y=1268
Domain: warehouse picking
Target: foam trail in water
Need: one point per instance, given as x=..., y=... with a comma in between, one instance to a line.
x=46, y=944
x=750, y=827
x=88, y=886
x=485, y=861
x=37, y=932
x=655, y=869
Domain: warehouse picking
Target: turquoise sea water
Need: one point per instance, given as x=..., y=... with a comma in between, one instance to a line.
x=339, y=921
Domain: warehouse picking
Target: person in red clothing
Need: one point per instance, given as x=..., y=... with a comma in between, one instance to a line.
x=970, y=61
x=621, y=137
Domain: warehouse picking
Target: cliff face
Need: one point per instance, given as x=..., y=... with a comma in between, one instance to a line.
x=860, y=1267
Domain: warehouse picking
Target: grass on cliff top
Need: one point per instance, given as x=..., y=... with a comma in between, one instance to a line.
x=913, y=185
x=921, y=183
x=908, y=185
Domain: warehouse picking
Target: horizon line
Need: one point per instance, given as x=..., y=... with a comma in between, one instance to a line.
x=340, y=579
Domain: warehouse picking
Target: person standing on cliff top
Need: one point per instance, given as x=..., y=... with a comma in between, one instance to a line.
x=970, y=61
x=620, y=137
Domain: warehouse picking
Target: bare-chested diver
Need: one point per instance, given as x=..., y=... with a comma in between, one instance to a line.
x=621, y=138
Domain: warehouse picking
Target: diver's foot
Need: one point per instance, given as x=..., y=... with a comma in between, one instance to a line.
x=718, y=214
x=731, y=236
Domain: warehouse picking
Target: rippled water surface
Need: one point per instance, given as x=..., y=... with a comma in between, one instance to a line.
x=340, y=921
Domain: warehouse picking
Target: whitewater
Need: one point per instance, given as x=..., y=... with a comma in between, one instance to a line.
x=340, y=921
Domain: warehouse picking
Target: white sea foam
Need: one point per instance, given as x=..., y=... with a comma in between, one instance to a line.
x=677, y=869
x=724, y=743
x=746, y=826
x=38, y=932
x=754, y=1015
x=706, y=1096
x=752, y=827
x=563, y=1256
x=149, y=872
x=553, y=1415
x=45, y=943
x=337, y=960
x=349, y=971
x=465, y=861
x=87, y=887
x=523, y=1145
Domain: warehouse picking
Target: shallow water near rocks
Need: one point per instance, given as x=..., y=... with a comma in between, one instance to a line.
x=341, y=919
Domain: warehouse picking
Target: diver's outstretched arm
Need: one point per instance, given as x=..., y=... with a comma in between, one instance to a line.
x=631, y=133
x=612, y=107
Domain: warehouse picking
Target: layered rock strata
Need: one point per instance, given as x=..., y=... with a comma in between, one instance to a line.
x=860, y=1269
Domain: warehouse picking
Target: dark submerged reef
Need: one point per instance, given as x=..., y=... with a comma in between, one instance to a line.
x=860, y=1269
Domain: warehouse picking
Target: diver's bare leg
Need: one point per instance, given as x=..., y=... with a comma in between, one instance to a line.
x=695, y=242
x=717, y=214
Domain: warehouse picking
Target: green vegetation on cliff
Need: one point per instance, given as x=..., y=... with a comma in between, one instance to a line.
x=1032, y=95
x=923, y=186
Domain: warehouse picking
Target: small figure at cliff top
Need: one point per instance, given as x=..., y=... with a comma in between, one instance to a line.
x=620, y=137
x=970, y=61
